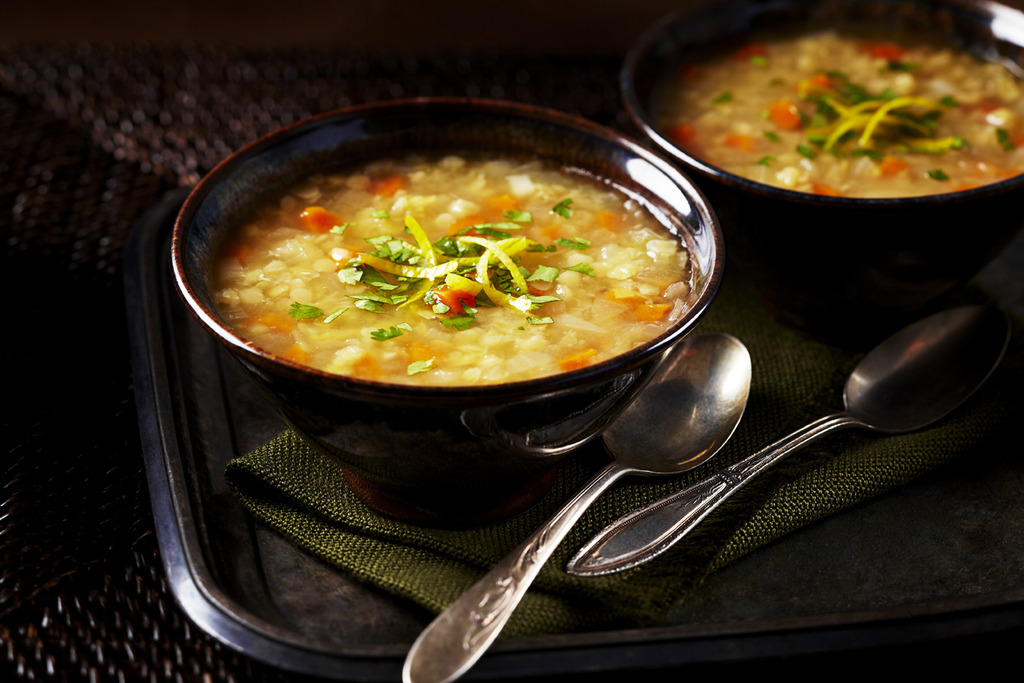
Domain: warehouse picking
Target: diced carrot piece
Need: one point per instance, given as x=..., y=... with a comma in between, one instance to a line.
x=684, y=134
x=296, y=353
x=503, y=203
x=752, y=50
x=743, y=143
x=387, y=187
x=814, y=84
x=465, y=222
x=689, y=72
x=551, y=231
x=577, y=360
x=650, y=313
x=624, y=295
x=785, y=115
x=276, y=321
x=609, y=220
x=884, y=50
x=890, y=166
x=825, y=190
x=240, y=251
x=367, y=368
x=318, y=219
x=418, y=351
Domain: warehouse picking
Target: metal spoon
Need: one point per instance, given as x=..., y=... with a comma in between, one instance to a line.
x=910, y=380
x=680, y=420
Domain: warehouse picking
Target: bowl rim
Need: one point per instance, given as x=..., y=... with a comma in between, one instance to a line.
x=618, y=365
x=638, y=110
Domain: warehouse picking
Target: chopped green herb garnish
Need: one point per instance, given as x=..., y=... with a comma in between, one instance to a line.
x=519, y=216
x=563, y=209
x=872, y=154
x=544, y=274
x=1003, y=138
x=541, y=247
x=722, y=98
x=759, y=60
x=419, y=366
x=350, y=275
x=938, y=174
x=339, y=229
x=771, y=135
x=901, y=66
x=764, y=161
x=381, y=214
x=333, y=316
x=458, y=322
x=949, y=101
x=582, y=268
x=574, y=243
x=304, y=311
x=806, y=151
x=533, y=320
x=390, y=333
x=538, y=301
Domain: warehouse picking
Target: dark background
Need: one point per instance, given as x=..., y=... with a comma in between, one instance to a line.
x=104, y=107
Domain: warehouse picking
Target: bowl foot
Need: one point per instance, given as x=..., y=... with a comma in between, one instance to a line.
x=446, y=510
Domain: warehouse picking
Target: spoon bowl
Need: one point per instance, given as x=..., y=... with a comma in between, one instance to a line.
x=910, y=380
x=705, y=381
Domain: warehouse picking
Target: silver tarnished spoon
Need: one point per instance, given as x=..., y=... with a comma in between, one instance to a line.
x=907, y=382
x=681, y=419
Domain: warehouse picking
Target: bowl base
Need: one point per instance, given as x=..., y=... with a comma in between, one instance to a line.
x=452, y=511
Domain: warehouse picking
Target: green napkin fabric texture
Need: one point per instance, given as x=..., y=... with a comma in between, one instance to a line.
x=302, y=494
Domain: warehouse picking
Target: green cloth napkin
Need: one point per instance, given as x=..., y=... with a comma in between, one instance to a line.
x=303, y=495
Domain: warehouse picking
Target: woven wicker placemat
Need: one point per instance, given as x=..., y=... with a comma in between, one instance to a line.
x=93, y=135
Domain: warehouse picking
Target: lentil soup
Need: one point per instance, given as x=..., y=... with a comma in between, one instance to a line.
x=838, y=115
x=452, y=272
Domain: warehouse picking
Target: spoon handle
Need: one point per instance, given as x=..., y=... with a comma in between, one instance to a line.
x=457, y=638
x=644, y=534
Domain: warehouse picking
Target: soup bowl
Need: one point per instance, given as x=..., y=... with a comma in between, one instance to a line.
x=446, y=455
x=845, y=269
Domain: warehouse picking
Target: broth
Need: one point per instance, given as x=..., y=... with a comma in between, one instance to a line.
x=835, y=115
x=451, y=272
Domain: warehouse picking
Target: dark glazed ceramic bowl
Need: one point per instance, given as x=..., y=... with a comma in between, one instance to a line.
x=844, y=269
x=445, y=455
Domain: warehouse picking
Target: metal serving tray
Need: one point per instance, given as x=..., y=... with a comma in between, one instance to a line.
x=938, y=560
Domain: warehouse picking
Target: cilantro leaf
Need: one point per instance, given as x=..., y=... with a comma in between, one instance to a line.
x=350, y=275
x=384, y=335
x=1003, y=138
x=722, y=98
x=806, y=151
x=937, y=174
x=304, y=311
x=458, y=322
x=574, y=243
x=333, y=316
x=390, y=333
x=582, y=268
x=416, y=367
x=519, y=216
x=563, y=209
x=544, y=274
x=534, y=320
